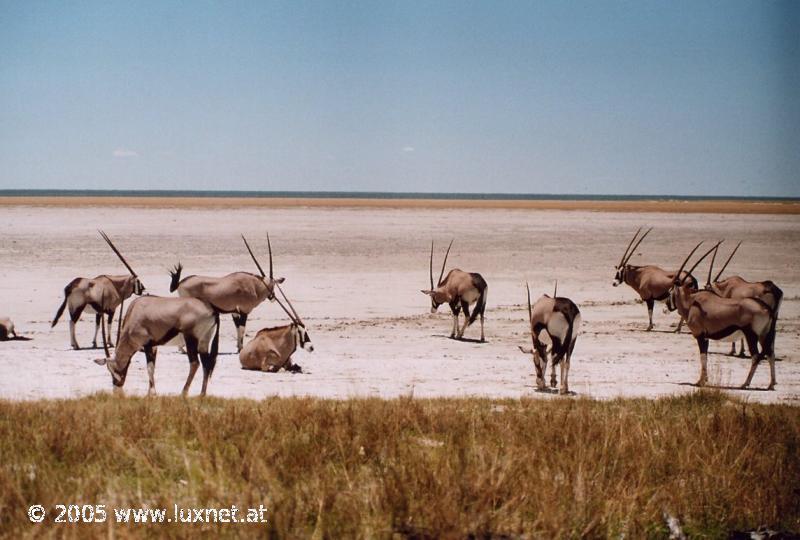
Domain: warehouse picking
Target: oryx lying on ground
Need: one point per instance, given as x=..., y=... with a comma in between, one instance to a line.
x=102, y=294
x=709, y=316
x=459, y=290
x=152, y=321
x=650, y=282
x=272, y=348
x=238, y=293
x=7, y=329
x=554, y=322
x=737, y=287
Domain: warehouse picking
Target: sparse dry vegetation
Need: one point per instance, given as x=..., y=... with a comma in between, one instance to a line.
x=439, y=468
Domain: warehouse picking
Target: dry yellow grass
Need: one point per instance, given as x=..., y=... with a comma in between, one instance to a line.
x=425, y=468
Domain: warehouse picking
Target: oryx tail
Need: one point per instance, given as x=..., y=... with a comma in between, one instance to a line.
x=67, y=292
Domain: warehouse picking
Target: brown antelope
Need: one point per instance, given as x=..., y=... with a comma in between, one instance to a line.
x=459, y=290
x=102, y=294
x=272, y=348
x=737, y=287
x=650, y=282
x=152, y=321
x=709, y=316
x=238, y=293
x=554, y=322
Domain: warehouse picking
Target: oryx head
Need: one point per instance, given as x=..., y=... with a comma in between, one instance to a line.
x=138, y=287
x=621, y=268
x=437, y=297
x=118, y=373
x=709, y=281
x=686, y=280
x=301, y=334
x=270, y=281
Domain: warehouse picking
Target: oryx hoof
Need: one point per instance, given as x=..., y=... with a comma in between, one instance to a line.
x=677, y=331
x=742, y=355
x=649, y=328
x=745, y=386
x=553, y=383
x=94, y=345
x=700, y=382
x=75, y=347
x=563, y=391
x=771, y=387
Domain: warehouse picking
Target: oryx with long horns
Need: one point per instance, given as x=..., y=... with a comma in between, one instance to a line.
x=738, y=287
x=459, y=290
x=709, y=316
x=272, y=348
x=102, y=294
x=555, y=324
x=152, y=321
x=238, y=293
x=650, y=282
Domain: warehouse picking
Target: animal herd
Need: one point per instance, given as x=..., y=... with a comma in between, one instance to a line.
x=729, y=310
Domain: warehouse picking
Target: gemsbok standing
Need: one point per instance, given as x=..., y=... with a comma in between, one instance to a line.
x=459, y=290
x=152, y=321
x=102, y=294
x=738, y=287
x=650, y=282
x=238, y=293
x=554, y=322
x=272, y=348
x=709, y=316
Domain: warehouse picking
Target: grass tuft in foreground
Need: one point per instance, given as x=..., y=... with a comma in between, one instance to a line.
x=371, y=468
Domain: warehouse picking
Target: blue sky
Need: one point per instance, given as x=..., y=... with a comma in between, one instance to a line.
x=693, y=98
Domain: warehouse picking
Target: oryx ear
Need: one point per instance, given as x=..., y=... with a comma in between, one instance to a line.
x=429, y=293
x=280, y=280
x=101, y=361
x=525, y=351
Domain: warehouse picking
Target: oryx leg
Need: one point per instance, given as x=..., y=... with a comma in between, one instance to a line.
x=110, y=328
x=239, y=320
x=455, y=308
x=482, y=337
x=150, y=353
x=741, y=349
x=680, y=325
x=465, y=311
x=565, y=363
x=105, y=341
x=74, y=315
x=733, y=348
x=650, y=303
x=194, y=362
x=702, y=344
x=752, y=345
x=98, y=320
x=209, y=361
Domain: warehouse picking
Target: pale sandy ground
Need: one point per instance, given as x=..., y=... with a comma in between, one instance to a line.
x=354, y=274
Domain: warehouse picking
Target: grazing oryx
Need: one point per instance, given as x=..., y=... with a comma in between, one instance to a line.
x=555, y=322
x=272, y=348
x=152, y=321
x=102, y=295
x=238, y=293
x=709, y=316
x=737, y=287
x=7, y=329
x=651, y=282
x=459, y=289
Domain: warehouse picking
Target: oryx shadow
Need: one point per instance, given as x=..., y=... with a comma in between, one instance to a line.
x=548, y=390
x=724, y=387
x=659, y=331
x=463, y=339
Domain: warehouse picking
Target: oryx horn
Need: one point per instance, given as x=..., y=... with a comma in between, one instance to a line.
x=724, y=266
x=555, y=289
x=622, y=260
x=711, y=266
x=444, y=263
x=636, y=246
x=678, y=273
x=698, y=261
x=530, y=315
x=254, y=258
x=108, y=240
x=431, y=265
x=296, y=317
x=269, y=246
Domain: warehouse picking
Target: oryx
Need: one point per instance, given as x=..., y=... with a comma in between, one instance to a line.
x=554, y=322
x=272, y=348
x=152, y=321
x=709, y=316
x=737, y=287
x=7, y=331
x=459, y=290
x=238, y=293
x=101, y=294
x=650, y=282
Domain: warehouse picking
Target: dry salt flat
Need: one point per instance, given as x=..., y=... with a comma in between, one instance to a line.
x=355, y=274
